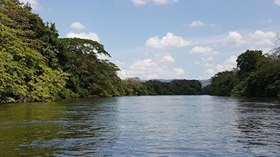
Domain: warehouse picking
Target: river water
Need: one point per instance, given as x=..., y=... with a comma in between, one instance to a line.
x=142, y=126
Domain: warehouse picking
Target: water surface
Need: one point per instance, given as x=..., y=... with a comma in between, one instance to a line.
x=142, y=126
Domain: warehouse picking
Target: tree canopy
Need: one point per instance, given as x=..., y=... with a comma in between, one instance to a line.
x=256, y=75
x=26, y=74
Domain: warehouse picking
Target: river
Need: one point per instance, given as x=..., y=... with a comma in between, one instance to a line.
x=142, y=126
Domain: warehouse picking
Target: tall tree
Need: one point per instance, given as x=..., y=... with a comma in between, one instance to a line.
x=89, y=75
x=25, y=74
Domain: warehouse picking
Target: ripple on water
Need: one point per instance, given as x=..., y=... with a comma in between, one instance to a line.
x=143, y=126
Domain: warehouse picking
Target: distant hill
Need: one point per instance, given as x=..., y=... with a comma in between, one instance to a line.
x=161, y=80
x=166, y=80
x=205, y=82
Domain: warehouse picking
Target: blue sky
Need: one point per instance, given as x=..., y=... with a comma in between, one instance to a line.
x=168, y=39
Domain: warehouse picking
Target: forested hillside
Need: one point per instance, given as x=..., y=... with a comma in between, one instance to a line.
x=37, y=65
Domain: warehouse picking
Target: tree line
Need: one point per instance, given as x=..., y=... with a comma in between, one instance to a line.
x=156, y=87
x=256, y=75
x=37, y=65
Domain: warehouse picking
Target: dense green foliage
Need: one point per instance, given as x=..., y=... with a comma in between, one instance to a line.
x=223, y=83
x=25, y=56
x=36, y=65
x=134, y=86
x=88, y=74
x=257, y=75
x=175, y=87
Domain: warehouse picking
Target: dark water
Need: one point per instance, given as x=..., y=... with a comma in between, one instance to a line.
x=142, y=126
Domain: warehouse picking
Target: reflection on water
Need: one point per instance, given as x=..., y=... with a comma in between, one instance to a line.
x=65, y=128
x=259, y=125
x=20, y=124
x=142, y=126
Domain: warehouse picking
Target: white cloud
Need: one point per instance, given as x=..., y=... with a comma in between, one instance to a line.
x=84, y=35
x=210, y=72
x=277, y=2
x=263, y=38
x=169, y=40
x=168, y=59
x=140, y=2
x=254, y=39
x=202, y=50
x=234, y=38
x=34, y=3
x=77, y=25
x=148, y=68
x=179, y=71
x=119, y=63
x=228, y=64
x=196, y=24
x=158, y=2
x=144, y=69
x=143, y=64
